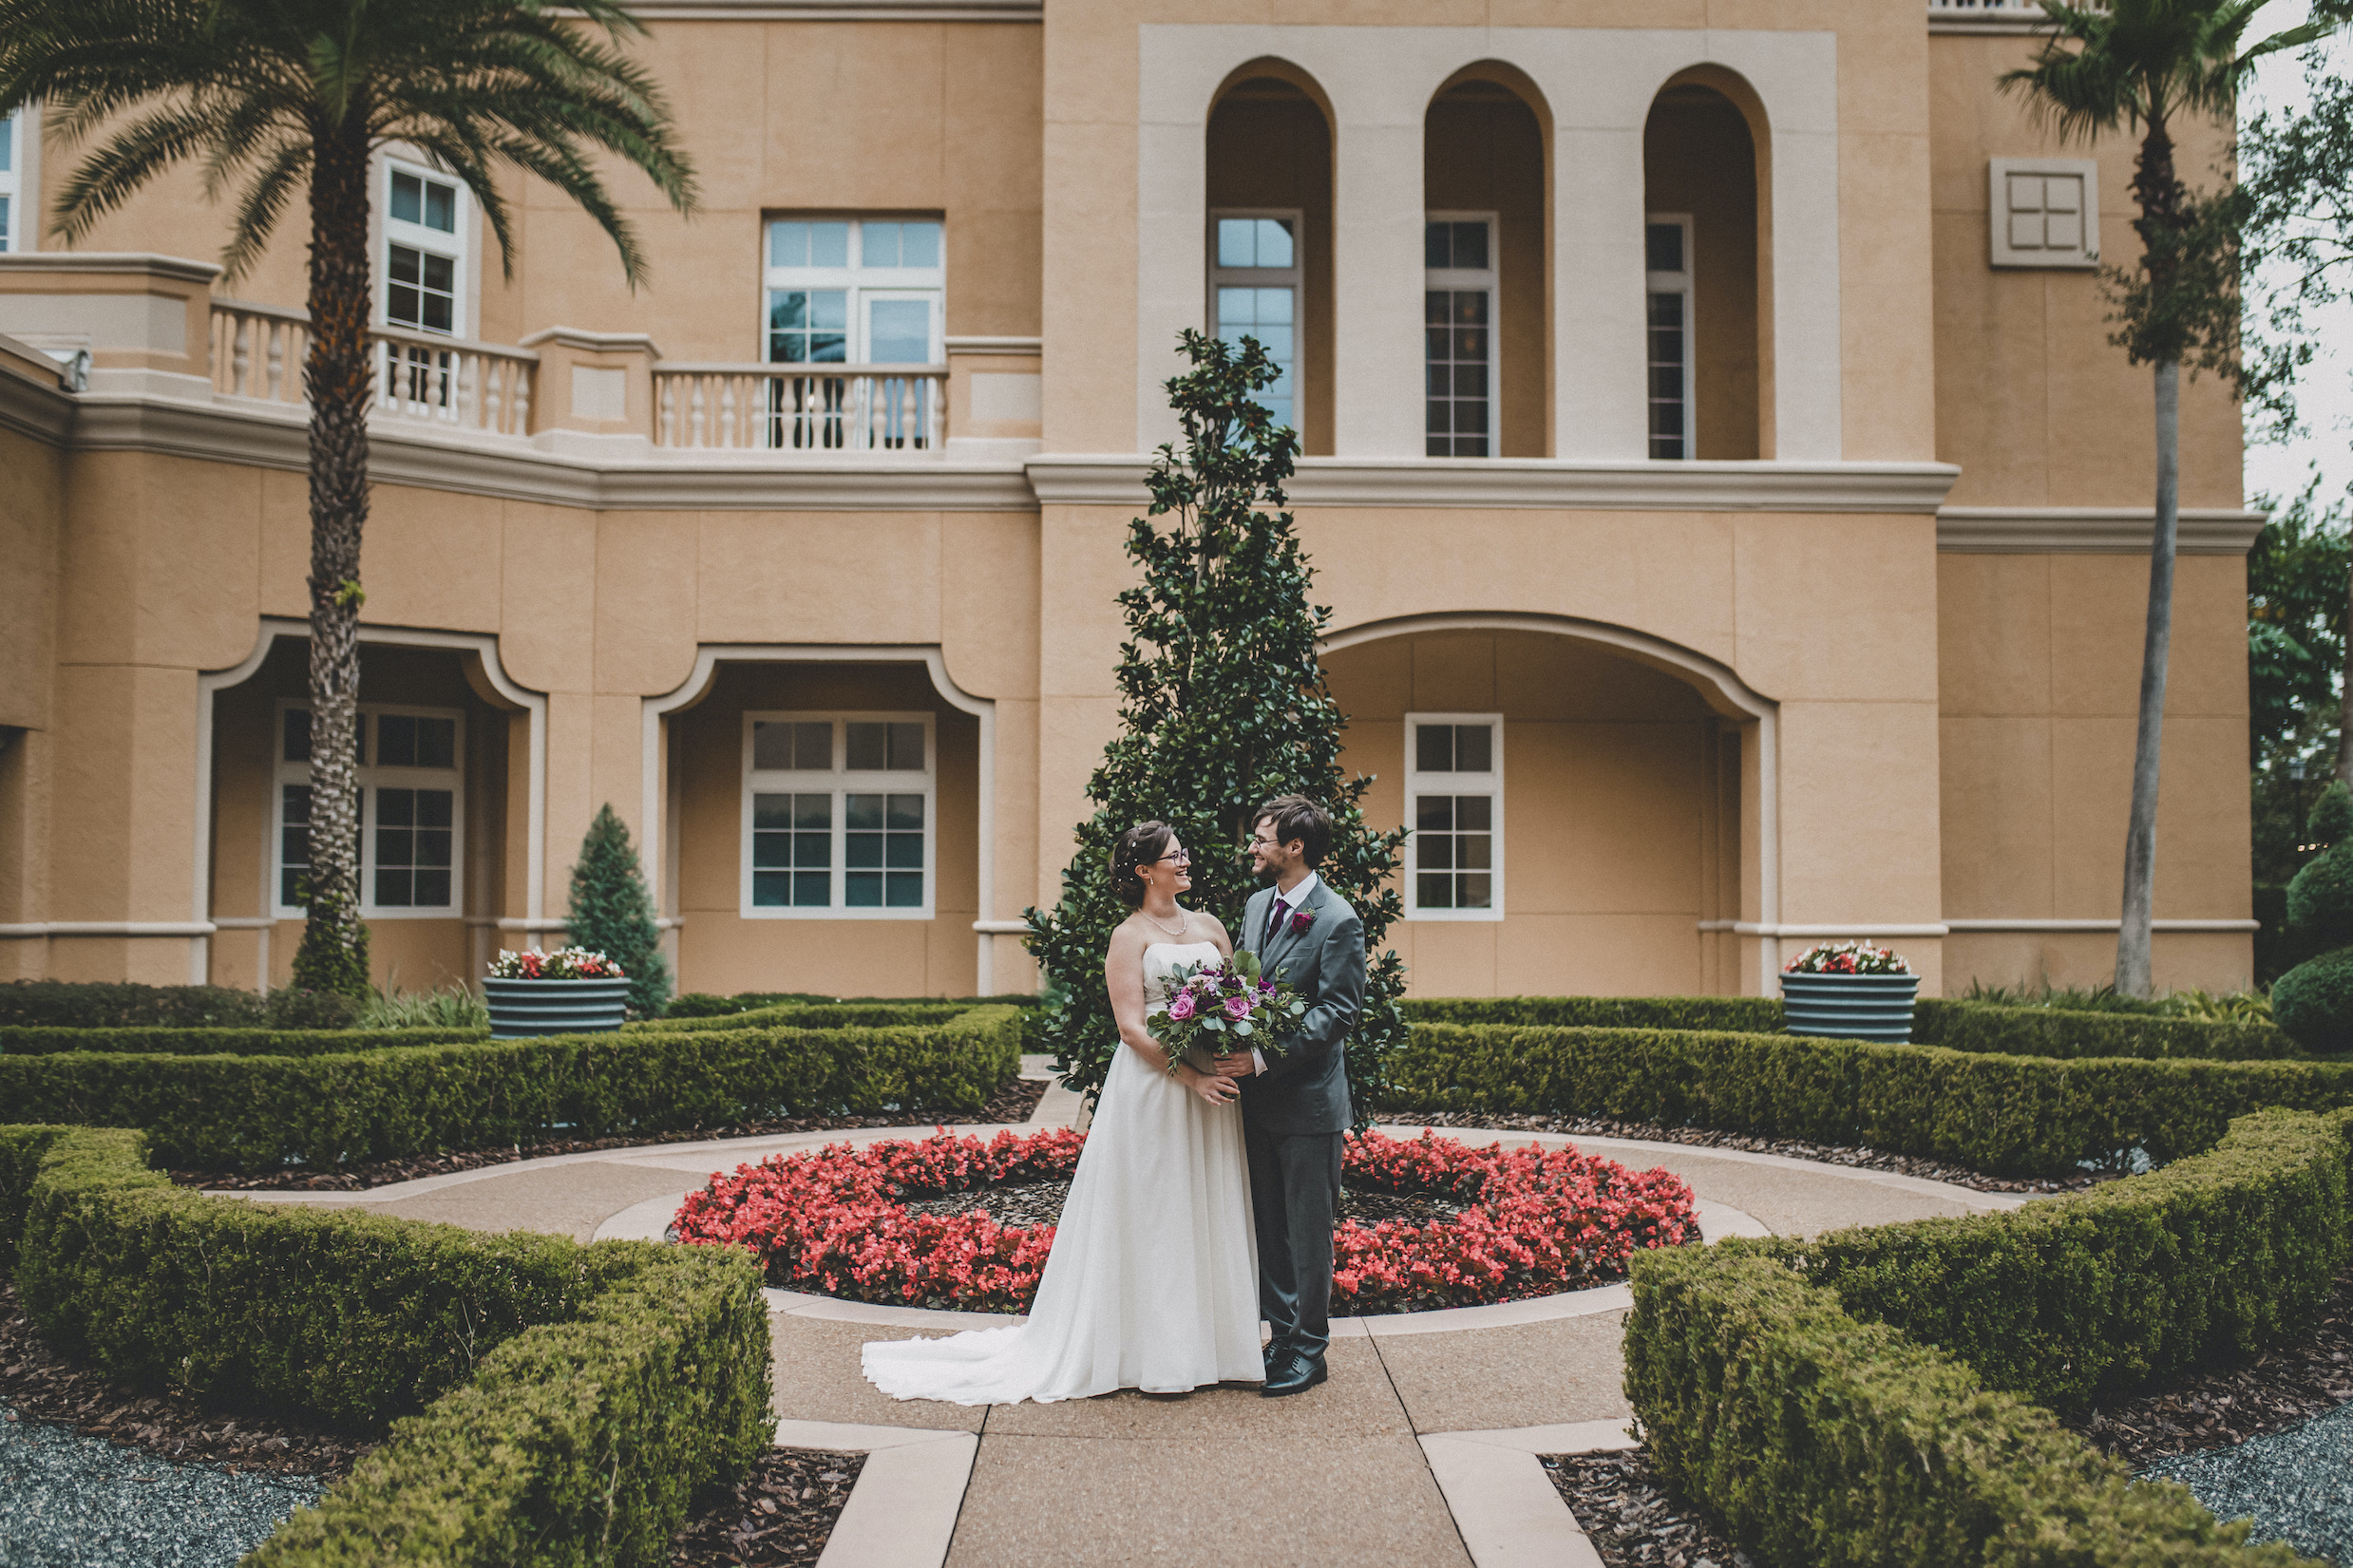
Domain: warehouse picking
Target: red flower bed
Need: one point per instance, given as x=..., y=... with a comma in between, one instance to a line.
x=1536, y=1221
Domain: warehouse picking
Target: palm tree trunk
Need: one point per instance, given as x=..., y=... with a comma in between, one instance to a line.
x=337, y=380
x=2140, y=838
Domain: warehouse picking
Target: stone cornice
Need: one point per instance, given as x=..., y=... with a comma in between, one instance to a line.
x=275, y=436
x=1530, y=485
x=2090, y=530
x=178, y=267
x=839, y=11
x=30, y=409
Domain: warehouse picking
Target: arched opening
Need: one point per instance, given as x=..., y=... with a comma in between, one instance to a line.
x=1705, y=232
x=1577, y=812
x=1486, y=292
x=1270, y=234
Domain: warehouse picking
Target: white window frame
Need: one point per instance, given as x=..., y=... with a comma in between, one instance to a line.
x=1489, y=783
x=457, y=244
x=2005, y=253
x=862, y=283
x=12, y=181
x=1292, y=277
x=840, y=782
x=1488, y=279
x=1685, y=284
x=373, y=775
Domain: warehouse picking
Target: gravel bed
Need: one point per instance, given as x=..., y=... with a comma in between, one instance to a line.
x=1826, y=1154
x=1014, y=1101
x=2216, y=1406
x=1630, y=1520
x=782, y=1512
x=2297, y=1484
x=74, y=1500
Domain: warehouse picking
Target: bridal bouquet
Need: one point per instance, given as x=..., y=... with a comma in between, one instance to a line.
x=1224, y=1008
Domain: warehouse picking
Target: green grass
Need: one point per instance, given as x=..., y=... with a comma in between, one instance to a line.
x=443, y=1007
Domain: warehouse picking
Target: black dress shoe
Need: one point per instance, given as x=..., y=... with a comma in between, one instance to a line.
x=1272, y=1352
x=1294, y=1374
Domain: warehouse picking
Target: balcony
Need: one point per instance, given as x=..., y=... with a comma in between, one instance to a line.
x=1984, y=16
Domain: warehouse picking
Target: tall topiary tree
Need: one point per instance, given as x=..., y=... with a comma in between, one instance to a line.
x=1222, y=707
x=613, y=912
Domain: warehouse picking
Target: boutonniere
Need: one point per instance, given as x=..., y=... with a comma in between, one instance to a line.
x=1301, y=921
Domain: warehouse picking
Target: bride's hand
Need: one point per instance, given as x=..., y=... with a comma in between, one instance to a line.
x=1210, y=1087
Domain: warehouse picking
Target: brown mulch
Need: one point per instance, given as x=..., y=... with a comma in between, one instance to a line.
x=1015, y=1100
x=1630, y=1518
x=38, y=1384
x=2216, y=1406
x=781, y=1512
x=1826, y=1154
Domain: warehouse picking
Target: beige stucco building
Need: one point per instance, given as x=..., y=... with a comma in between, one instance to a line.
x=1733, y=518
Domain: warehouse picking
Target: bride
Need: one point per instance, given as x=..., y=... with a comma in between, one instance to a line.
x=1152, y=1282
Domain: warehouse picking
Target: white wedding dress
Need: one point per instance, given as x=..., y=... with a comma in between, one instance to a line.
x=1153, y=1280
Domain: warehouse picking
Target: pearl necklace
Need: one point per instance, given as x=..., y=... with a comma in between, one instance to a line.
x=1184, y=924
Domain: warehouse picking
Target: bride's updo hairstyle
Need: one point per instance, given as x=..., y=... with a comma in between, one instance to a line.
x=1138, y=848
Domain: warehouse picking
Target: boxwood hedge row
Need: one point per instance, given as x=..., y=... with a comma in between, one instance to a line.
x=2022, y=1115
x=43, y=1040
x=1860, y=1398
x=546, y=1402
x=1957, y=1026
x=216, y=1112
x=811, y=1015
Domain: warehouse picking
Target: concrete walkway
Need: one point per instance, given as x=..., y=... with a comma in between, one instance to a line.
x=1418, y=1450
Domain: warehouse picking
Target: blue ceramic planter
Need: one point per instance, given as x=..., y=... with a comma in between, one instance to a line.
x=520, y=1007
x=1849, y=1007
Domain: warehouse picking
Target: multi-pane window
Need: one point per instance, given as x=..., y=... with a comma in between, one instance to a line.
x=838, y=811
x=1666, y=245
x=1458, y=315
x=1255, y=292
x=411, y=778
x=424, y=252
x=12, y=133
x=1453, y=785
x=851, y=291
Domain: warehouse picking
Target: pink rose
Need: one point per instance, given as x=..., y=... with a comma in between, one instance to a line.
x=1181, y=1006
x=1236, y=1007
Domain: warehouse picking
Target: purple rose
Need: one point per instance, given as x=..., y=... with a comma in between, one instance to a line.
x=1181, y=1006
x=1300, y=921
x=1266, y=988
x=1236, y=1007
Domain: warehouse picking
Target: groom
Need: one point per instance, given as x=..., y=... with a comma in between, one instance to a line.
x=1295, y=1094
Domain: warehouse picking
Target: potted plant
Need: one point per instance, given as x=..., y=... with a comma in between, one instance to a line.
x=1851, y=991
x=571, y=990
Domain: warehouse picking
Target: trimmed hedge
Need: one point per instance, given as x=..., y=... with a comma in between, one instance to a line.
x=111, y=1004
x=2032, y=1116
x=50, y=1041
x=21, y=1151
x=2314, y=1001
x=1956, y=1026
x=259, y=1112
x=2077, y=1301
x=2055, y=1031
x=702, y=1004
x=1739, y=1014
x=1816, y=1439
x=569, y=1399
x=815, y=1015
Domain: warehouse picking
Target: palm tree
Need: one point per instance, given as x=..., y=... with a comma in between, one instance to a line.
x=2151, y=63
x=267, y=94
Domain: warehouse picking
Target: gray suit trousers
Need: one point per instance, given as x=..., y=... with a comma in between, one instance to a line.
x=1295, y=1186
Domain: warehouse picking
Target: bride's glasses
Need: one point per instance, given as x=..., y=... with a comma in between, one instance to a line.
x=1177, y=857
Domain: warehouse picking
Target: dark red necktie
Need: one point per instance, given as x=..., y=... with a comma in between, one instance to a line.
x=1274, y=921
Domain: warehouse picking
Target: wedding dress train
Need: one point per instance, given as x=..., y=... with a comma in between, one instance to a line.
x=1152, y=1282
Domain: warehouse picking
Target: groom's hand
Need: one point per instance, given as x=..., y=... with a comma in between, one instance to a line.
x=1236, y=1066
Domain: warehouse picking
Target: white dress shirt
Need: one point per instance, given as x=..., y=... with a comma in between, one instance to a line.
x=1291, y=903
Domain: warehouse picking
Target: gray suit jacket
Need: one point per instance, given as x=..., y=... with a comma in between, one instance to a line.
x=1304, y=1088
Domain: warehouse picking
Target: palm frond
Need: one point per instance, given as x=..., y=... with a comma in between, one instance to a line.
x=263, y=202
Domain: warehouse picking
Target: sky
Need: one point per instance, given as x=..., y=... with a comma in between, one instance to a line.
x=2324, y=391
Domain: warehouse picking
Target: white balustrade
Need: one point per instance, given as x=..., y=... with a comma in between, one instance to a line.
x=1986, y=11
x=799, y=408
x=258, y=351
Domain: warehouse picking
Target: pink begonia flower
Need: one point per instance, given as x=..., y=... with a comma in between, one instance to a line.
x=1236, y=1007
x=1181, y=1006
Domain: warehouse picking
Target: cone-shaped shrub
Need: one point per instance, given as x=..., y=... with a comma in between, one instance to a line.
x=1223, y=707
x=613, y=913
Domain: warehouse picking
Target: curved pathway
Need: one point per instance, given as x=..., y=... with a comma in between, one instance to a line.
x=1419, y=1449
